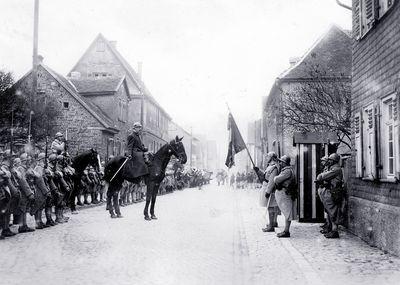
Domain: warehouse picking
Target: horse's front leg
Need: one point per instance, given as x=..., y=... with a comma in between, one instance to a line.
x=149, y=190
x=153, y=201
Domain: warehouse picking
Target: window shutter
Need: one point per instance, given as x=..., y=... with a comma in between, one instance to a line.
x=358, y=144
x=370, y=142
x=369, y=15
x=356, y=19
x=396, y=135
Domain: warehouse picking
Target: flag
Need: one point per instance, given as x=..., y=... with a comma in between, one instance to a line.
x=236, y=142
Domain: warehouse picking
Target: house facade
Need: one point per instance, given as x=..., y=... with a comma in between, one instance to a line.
x=85, y=123
x=374, y=202
x=330, y=58
x=103, y=60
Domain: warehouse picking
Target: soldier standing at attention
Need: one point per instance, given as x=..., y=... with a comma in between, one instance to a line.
x=285, y=203
x=27, y=195
x=58, y=145
x=268, y=176
x=331, y=192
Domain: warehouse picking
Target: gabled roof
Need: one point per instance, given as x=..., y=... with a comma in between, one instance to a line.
x=130, y=72
x=95, y=111
x=331, y=54
x=97, y=85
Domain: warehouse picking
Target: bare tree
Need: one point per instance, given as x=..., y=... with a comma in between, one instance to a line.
x=320, y=103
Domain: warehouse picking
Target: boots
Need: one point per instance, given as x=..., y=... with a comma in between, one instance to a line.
x=49, y=219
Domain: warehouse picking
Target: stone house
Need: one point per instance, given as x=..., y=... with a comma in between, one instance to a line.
x=86, y=123
x=103, y=60
x=374, y=202
x=331, y=55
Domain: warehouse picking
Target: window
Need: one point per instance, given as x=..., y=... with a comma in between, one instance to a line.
x=100, y=46
x=365, y=14
x=358, y=144
x=389, y=136
x=66, y=105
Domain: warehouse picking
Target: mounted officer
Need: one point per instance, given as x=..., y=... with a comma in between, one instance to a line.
x=136, y=167
x=58, y=145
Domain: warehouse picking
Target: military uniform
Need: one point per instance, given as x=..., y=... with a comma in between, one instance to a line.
x=330, y=182
x=27, y=195
x=136, y=166
x=43, y=193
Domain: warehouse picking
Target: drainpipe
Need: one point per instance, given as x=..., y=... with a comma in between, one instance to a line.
x=343, y=5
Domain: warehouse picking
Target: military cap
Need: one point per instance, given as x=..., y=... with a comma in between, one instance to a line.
x=324, y=158
x=285, y=159
x=23, y=157
x=52, y=157
x=272, y=154
x=41, y=156
x=60, y=157
x=334, y=157
x=137, y=125
x=59, y=134
x=17, y=160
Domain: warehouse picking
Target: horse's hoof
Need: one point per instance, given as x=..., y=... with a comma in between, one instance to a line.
x=147, y=218
x=153, y=217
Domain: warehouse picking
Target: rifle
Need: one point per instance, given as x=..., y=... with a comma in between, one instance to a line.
x=46, y=153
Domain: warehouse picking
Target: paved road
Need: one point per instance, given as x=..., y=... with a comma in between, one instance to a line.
x=209, y=236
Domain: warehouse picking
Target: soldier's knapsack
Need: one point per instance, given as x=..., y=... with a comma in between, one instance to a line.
x=293, y=188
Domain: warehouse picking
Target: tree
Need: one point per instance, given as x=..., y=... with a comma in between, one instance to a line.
x=321, y=103
x=15, y=110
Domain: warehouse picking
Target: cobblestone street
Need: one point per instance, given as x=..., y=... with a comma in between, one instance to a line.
x=208, y=236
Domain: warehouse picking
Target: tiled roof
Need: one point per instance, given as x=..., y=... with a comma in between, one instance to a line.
x=331, y=55
x=89, y=106
x=98, y=85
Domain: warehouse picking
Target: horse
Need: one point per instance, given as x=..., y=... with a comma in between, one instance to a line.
x=79, y=163
x=114, y=172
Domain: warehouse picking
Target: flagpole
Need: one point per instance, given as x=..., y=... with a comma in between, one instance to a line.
x=245, y=145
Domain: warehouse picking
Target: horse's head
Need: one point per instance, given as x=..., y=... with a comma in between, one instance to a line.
x=94, y=159
x=178, y=150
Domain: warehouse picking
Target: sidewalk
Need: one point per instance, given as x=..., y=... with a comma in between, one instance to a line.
x=347, y=260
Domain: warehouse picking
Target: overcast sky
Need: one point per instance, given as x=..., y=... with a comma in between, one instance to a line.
x=196, y=53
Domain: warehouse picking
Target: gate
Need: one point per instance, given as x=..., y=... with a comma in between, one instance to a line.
x=311, y=147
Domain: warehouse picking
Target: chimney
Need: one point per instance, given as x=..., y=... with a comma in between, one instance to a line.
x=139, y=69
x=293, y=61
x=75, y=75
x=113, y=44
x=40, y=59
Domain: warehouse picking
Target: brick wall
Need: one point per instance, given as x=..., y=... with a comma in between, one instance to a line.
x=374, y=206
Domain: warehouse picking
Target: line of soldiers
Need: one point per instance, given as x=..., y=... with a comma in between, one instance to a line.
x=36, y=185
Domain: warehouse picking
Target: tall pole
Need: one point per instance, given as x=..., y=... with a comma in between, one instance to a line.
x=35, y=50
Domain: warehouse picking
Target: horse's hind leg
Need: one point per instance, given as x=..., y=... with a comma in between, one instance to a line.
x=153, y=202
x=149, y=189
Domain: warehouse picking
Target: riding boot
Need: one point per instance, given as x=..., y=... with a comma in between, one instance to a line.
x=65, y=218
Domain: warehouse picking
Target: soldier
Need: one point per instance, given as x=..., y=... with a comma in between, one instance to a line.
x=64, y=189
x=27, y=195
x=331, y=193
x=283, y=182
x=14, y=192
x=5, y=198
x=48, y=176
x=58, y=145
x=136, y=166
x=43, y=193
x=57, y=195
x=95, y=182
x=268, y=181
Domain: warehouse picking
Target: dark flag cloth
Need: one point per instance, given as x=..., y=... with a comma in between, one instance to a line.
x=236, y=142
